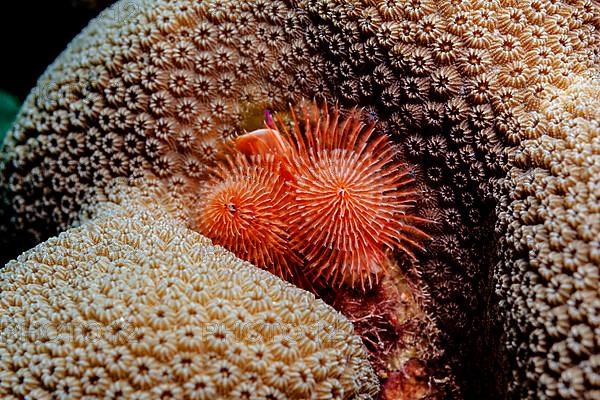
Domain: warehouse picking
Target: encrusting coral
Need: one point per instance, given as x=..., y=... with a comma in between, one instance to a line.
x=492, y=100
x=391, y=323
x=134, y=305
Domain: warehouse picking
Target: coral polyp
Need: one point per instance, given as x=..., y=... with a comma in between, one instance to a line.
x=352, y=197
x=243, y=208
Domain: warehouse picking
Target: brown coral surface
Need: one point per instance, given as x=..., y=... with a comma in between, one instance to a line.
x=134, y=305
x=494, y=100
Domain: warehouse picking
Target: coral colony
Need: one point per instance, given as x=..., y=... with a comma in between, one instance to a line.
x=172, y=316
x=438, y=199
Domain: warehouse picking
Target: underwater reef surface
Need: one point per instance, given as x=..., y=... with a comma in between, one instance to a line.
x=135, y=305
x=494, y=101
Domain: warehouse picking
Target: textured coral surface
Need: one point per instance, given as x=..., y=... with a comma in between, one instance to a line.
x=134, y=305
x=494, y=100
x=550, y=235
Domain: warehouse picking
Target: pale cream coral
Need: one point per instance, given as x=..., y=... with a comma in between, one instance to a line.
x=134, y=303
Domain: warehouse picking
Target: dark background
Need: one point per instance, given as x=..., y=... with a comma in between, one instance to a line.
x=34, y=33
